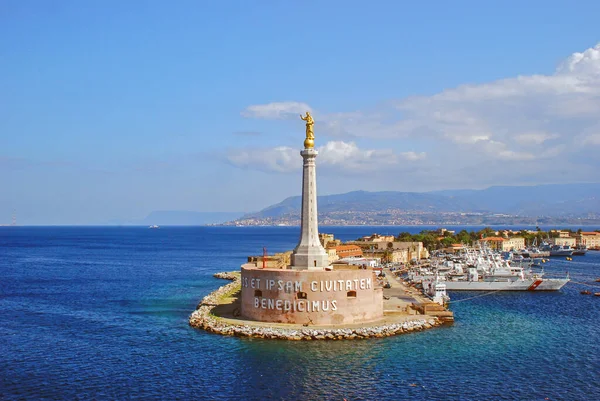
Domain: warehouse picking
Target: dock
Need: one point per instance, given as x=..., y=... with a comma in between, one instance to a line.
x=401, y=298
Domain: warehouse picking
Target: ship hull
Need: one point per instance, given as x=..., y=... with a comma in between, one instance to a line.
x=553, y=284
x=561, y=253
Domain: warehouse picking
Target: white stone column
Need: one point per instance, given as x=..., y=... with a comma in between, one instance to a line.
x=309, y=254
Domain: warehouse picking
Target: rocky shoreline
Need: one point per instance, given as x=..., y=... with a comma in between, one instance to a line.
x=202, y=318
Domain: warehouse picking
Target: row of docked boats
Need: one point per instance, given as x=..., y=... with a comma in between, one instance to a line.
x=482, y=269
x=554, y=250
x=546, y=250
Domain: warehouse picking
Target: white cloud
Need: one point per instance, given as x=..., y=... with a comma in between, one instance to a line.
x=281, y=159
x=529, y=128
x=276, y=111
x=585, y=63
x=529, y=110
x=339, y=155
x=534, y=138
x=412, y=156
x=347, y=156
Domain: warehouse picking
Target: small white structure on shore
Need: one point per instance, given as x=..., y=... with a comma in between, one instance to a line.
x=436, y=290
x=369, y=262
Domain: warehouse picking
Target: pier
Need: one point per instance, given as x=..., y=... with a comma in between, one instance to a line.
x=401, y=298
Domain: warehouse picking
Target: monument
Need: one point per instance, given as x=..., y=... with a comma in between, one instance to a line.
x=309, y=254
x=310, y=291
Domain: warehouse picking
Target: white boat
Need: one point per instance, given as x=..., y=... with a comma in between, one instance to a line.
x=564, y=250
x=506, y=283
x=153, y=226
x=487, y=271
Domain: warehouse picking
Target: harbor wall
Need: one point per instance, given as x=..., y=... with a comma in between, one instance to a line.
x=310, y=297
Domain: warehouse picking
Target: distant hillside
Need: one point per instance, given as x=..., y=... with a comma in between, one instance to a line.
x=363, y=201
x=549, y=200
x=184, y=218
x=540, y=200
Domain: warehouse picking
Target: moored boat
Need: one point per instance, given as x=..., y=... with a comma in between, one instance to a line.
x=561, y=250
x=484, y=270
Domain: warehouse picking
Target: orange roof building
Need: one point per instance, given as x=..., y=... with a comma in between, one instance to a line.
x=495, y=239
x=345, y=251
x=492, y=242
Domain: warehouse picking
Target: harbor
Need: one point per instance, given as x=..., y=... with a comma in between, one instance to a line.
x=418, y=285
x=481, y=269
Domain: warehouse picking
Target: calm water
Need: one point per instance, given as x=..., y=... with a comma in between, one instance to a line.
x=101, y=313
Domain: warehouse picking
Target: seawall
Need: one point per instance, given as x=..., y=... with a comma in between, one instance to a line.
x=226, y=321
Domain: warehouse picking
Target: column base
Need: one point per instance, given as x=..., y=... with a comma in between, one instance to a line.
x=305, y=258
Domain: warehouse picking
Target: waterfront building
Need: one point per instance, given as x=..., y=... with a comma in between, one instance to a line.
x=513, y=244
x=589, y=239
x=502, y=244
x=564, y=240
x=399, y=255
x=561, y=233
x=325, y=239
x=397, y=251
x=310, y=290
x=454, y=248
x=378, y=238
x=345, y=251
x=494, y=243
x=332, y=254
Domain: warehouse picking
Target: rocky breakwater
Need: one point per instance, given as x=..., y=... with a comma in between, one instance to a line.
x=202, y=318
x=227, y=275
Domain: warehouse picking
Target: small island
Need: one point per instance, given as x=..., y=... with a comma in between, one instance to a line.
x=307, y=294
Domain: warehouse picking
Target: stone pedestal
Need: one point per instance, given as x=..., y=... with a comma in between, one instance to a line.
x=310, y=297
x=309, y=254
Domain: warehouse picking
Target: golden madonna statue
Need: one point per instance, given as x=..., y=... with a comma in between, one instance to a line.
x=309, y=142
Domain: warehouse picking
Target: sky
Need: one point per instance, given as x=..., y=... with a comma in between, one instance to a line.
x=110, y=110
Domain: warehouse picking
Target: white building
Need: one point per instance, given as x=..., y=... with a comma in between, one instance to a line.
x=369, y=262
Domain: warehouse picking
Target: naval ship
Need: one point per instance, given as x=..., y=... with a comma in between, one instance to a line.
x=484, y=270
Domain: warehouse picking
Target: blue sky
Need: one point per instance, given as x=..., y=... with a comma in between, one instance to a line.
x=110, y=110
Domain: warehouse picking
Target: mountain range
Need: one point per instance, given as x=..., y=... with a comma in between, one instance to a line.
x=552, y=200
x=553, y=203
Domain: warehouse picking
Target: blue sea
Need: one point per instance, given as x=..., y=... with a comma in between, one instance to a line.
x=101, y=313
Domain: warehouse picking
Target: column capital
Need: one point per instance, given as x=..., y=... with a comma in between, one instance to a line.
x=309, y=152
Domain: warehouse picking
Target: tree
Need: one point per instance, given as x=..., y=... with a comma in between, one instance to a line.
x=387, y=256
x=463, y=237
x=429, y=240
x=448, y=241
x=488, y=232
x=405, y=237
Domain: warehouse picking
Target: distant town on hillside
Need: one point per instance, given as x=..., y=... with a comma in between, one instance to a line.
x=568, y=204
